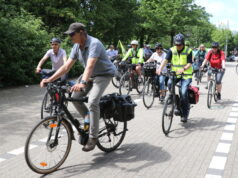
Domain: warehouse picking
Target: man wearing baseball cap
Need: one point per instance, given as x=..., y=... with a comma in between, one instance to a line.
x=97, y=75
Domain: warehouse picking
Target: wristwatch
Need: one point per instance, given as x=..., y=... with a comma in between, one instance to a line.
x=83, y=82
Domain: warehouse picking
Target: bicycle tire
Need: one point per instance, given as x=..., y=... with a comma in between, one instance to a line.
x=141, y=83
x=169, y=101
x=107, y=131
x=145, y=89
x=27, y=147
x=124, y=78
x=44, y=105
x=237, y=68
x=210, y=94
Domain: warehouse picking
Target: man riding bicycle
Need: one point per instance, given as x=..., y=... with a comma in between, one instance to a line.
x=216, y=57
x=137, y=56
x=159, y=57
x=180, y=56
x=97, y=75
x=56, y=54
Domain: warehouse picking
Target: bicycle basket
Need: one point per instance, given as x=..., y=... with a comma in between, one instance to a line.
x=150, y=69
x=193, y=95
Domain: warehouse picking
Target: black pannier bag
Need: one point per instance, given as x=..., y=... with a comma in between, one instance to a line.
x=150, y=69
x=119, y=107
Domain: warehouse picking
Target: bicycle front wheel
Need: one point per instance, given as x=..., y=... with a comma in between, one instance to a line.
x=237, y=68
x=210, y=94
x=116, y=79
x=46, y=106
x=111, y=134
x=167, y=116
x=140, y=84
x=125, y=84
x=44, y=153
x=148, y=94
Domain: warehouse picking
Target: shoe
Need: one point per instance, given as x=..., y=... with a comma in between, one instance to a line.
x=206, y=87
x=218, y=96
x=184, y=119
x=90, y=144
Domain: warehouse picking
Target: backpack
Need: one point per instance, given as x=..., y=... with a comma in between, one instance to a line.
x=193, y=94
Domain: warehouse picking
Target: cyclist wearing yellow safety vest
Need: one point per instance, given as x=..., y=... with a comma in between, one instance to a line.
x=180, y=56
x=136, y=54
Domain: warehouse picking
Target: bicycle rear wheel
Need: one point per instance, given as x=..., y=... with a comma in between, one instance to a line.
x=44, y=153
x=168, y=113
x=148, y=94
x=210, y=94
x=125, y=84
x=111, y=134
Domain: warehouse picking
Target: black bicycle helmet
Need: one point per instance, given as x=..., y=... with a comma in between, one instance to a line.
x=179, y=39
x=158, y=45
x=55, y=40
x=215, y=45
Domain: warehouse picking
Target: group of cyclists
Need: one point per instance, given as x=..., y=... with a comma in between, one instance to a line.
x=99, y=69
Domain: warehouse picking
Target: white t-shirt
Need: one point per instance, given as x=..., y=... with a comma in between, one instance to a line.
x=57, y=60
x=155, y=56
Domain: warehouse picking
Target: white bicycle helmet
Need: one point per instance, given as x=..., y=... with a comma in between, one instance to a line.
x=134, y=42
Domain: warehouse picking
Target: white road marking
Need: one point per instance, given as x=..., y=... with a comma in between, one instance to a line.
x=230, y=127
x=232, y=120
x=223, y=148
x=1, y=160
x=218, y=162
x=17, y=151
x=212, y=176
x=235, y=105
x=234, y=114
x=235, y=109
x=227, y=136
x=137, y=100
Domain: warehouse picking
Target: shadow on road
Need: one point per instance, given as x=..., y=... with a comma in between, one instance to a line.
x=196, y=124
x=127, y=154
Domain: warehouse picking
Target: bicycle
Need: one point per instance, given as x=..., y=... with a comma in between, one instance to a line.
x=212, y=90
x=172, y=105
x=47, y=107
x=120, y=70
x=131, y=80
x=49, y=142
x=151, y=88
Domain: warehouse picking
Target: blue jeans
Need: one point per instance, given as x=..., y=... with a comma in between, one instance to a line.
x=185, y=106
x=160, y=81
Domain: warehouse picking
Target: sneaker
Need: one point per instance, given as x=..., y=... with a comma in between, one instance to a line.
x=184, y=120
x=206, y=87
x=90, y=144
x=218, y=96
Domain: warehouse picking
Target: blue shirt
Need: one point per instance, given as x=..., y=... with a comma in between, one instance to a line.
x=94, y=49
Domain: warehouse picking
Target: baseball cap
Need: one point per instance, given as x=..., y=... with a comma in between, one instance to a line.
x=75, y=27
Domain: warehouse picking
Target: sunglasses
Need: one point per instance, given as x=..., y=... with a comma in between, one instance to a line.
x=159, y=48
x=214, y=47
x=72, y=34
x=178, y=45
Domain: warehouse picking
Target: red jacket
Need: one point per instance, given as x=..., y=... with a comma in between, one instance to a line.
x=216, y=59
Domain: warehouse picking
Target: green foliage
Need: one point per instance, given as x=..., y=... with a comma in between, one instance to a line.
x=23, y=41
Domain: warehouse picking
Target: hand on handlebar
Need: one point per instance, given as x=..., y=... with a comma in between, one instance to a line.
x=38, y=70
x=180, y=71
x=78, y=87
x=44, y=82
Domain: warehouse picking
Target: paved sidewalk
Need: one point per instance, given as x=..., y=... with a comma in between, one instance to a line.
x=145, y=152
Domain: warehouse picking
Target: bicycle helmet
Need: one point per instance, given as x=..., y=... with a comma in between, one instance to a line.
x=55, y=40
x=215, y=45
x=179, y=39
x=134, y=42
x=158, y=45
